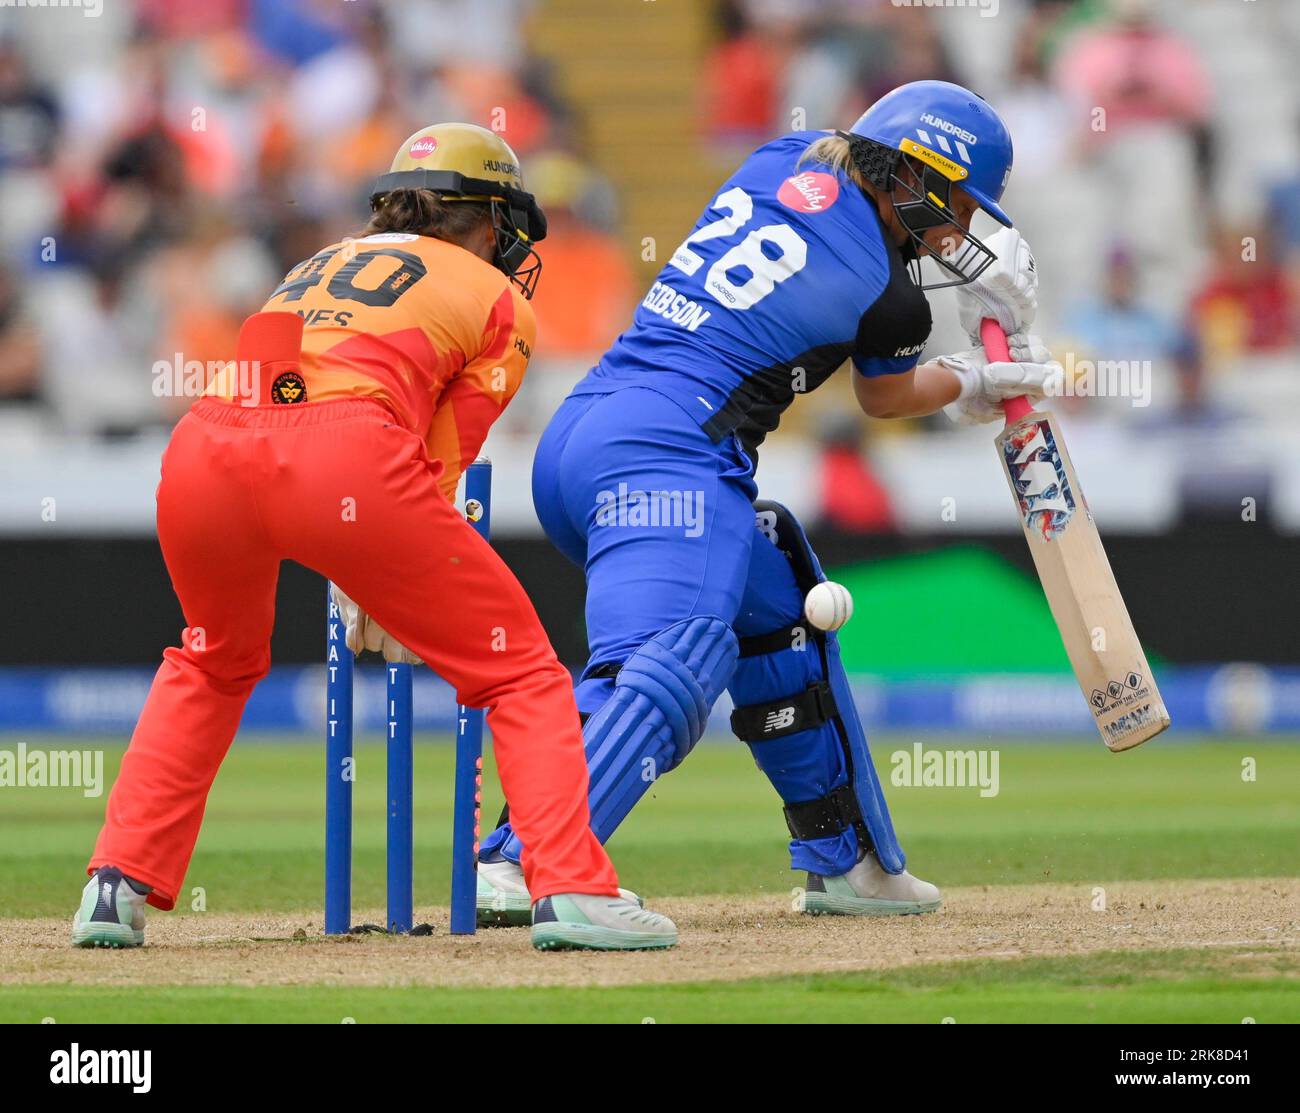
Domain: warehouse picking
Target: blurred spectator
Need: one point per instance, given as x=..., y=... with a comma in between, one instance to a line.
x=29, y=114
x=337, y=89
x=145, y=198
x=138, y=202
x=187, y=20
x=482, y=33
x=1035, y=112
x=498, y=97
x=1246, y=304
x=585, y=295
x=1284, y=217
x=1119, y=325
x=29, y=128
x=819, y=71
x=300, y=30
x=1042, y=186
x=842, y=56
x=1119, y=328
x=853, y=499
x=297, y=236
x=338, y=149
x=899, y=49
x=1138, y=99
x=742, y=80
x=1138, y=72
x=20, y=345
x=207, y=285
x=98, y=327
x=1195, y=407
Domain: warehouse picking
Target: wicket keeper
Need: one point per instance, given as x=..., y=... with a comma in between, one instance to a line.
x=382, y=363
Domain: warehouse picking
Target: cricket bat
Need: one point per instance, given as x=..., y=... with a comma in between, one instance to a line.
x=1099, y=638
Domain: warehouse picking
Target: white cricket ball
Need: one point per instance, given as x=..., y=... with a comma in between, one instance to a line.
x=828, y=606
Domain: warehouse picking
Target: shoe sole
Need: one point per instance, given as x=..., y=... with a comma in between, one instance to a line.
x=590, y=937
x=509, y=910
x=105, y=935
x=824, y=904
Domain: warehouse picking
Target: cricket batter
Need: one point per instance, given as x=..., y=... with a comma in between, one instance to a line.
x=382, y=363
x=807, y=257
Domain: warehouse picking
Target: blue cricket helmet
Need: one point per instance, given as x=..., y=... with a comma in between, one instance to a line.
x=938, y=135
x=950, y=129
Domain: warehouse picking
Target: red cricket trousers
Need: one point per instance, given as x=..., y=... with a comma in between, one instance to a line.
x=343, y=489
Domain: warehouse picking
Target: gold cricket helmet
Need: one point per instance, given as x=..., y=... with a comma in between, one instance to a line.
x=464, y=162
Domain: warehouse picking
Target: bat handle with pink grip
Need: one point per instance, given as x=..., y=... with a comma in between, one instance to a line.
x=995, y=345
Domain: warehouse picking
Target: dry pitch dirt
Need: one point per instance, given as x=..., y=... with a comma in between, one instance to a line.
x=722, y=939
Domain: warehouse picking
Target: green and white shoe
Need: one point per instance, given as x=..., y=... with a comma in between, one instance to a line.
x=867, y=890
x=111, y=912
x=580, y=922
x=502, y=898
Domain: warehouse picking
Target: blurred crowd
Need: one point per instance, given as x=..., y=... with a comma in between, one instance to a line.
x=163, y=165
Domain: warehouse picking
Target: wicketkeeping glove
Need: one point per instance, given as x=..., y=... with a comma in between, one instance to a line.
x=363, y=633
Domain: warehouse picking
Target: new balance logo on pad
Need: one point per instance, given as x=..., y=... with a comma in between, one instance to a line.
x=780, y=719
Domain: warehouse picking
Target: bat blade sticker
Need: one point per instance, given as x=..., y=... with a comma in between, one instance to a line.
x=1033, y=462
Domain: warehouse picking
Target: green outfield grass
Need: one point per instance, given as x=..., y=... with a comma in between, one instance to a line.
x=1063, y=813
x=1181, y=987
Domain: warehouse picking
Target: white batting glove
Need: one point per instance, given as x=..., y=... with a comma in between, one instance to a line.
x=1025, y=347
x=985, y=386
x=1007, y=291
x=363, y=632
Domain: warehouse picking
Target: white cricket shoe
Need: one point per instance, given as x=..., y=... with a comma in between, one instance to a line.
x=502, y=898
x=867, y=890
x=111, y=912
x=580, y=922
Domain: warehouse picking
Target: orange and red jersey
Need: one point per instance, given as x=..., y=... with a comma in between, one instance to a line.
x=438, y=335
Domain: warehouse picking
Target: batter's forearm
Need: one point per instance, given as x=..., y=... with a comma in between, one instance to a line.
x=924, y=390
x=936, y=386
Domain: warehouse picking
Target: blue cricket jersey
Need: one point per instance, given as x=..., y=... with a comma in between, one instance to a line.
x=786, y=275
